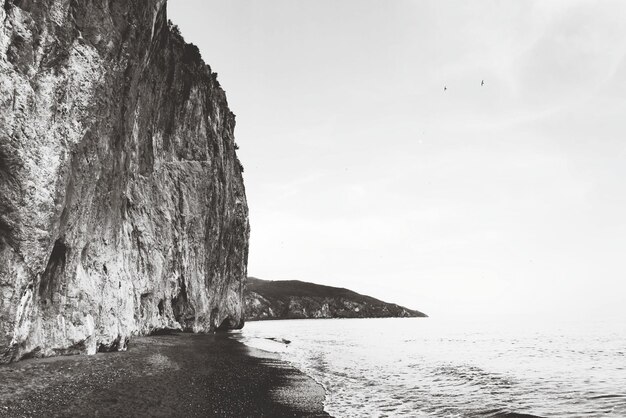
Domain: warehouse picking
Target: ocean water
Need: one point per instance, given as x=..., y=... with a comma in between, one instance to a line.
x=456, y=368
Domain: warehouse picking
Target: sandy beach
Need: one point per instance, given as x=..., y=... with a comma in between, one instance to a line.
x=161, y=376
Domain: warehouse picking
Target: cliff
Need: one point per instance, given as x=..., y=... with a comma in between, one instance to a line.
x=293, y=299
x=122, y=205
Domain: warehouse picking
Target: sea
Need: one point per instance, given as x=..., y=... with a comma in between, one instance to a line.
x=428, y=367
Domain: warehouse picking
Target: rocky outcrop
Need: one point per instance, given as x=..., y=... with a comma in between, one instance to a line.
x=122, y=205
x=293, y=299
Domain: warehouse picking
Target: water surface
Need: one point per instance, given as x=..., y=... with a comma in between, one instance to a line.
x=456, y=368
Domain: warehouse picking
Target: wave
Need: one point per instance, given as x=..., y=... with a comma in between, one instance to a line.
x=504, y=413
x=608, y=396
x=369, y=370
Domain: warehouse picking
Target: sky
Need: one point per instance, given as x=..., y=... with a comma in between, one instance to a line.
x=362, y=172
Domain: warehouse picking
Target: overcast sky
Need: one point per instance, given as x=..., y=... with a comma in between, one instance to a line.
x=361, y=172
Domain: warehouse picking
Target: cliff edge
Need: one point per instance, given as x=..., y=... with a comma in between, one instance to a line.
x=293, y=299
x=122, y=204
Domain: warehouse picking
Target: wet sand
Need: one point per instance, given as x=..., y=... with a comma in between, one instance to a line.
x=185, y=375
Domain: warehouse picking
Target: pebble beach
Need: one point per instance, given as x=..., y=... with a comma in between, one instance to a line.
x=178, y=374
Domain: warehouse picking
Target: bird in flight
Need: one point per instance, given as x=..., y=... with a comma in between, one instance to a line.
x=482, y=83
x=445, y=88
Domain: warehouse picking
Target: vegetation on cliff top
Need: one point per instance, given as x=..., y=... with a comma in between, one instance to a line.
x=293, y=299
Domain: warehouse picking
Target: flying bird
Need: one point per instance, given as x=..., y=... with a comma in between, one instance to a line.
x=482, y=83
x=445, y=88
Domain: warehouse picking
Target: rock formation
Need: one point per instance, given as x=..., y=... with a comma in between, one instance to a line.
x=122, y=205
x=293, y=299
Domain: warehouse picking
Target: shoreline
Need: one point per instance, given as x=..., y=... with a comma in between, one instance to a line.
x=178, y=374
x=303, y=389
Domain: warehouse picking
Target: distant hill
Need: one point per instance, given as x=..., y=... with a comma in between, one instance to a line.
x=293, y=299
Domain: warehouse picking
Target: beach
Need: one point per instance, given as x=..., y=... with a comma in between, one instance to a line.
x=177, y=374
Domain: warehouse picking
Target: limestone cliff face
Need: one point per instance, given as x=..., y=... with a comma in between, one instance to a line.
x=122, y=205
x=293, y=299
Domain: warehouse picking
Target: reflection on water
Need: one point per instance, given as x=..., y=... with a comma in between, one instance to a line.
x=426, y=367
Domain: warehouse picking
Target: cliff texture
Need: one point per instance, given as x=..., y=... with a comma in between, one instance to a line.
x=122, y=205
x=293, y=299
